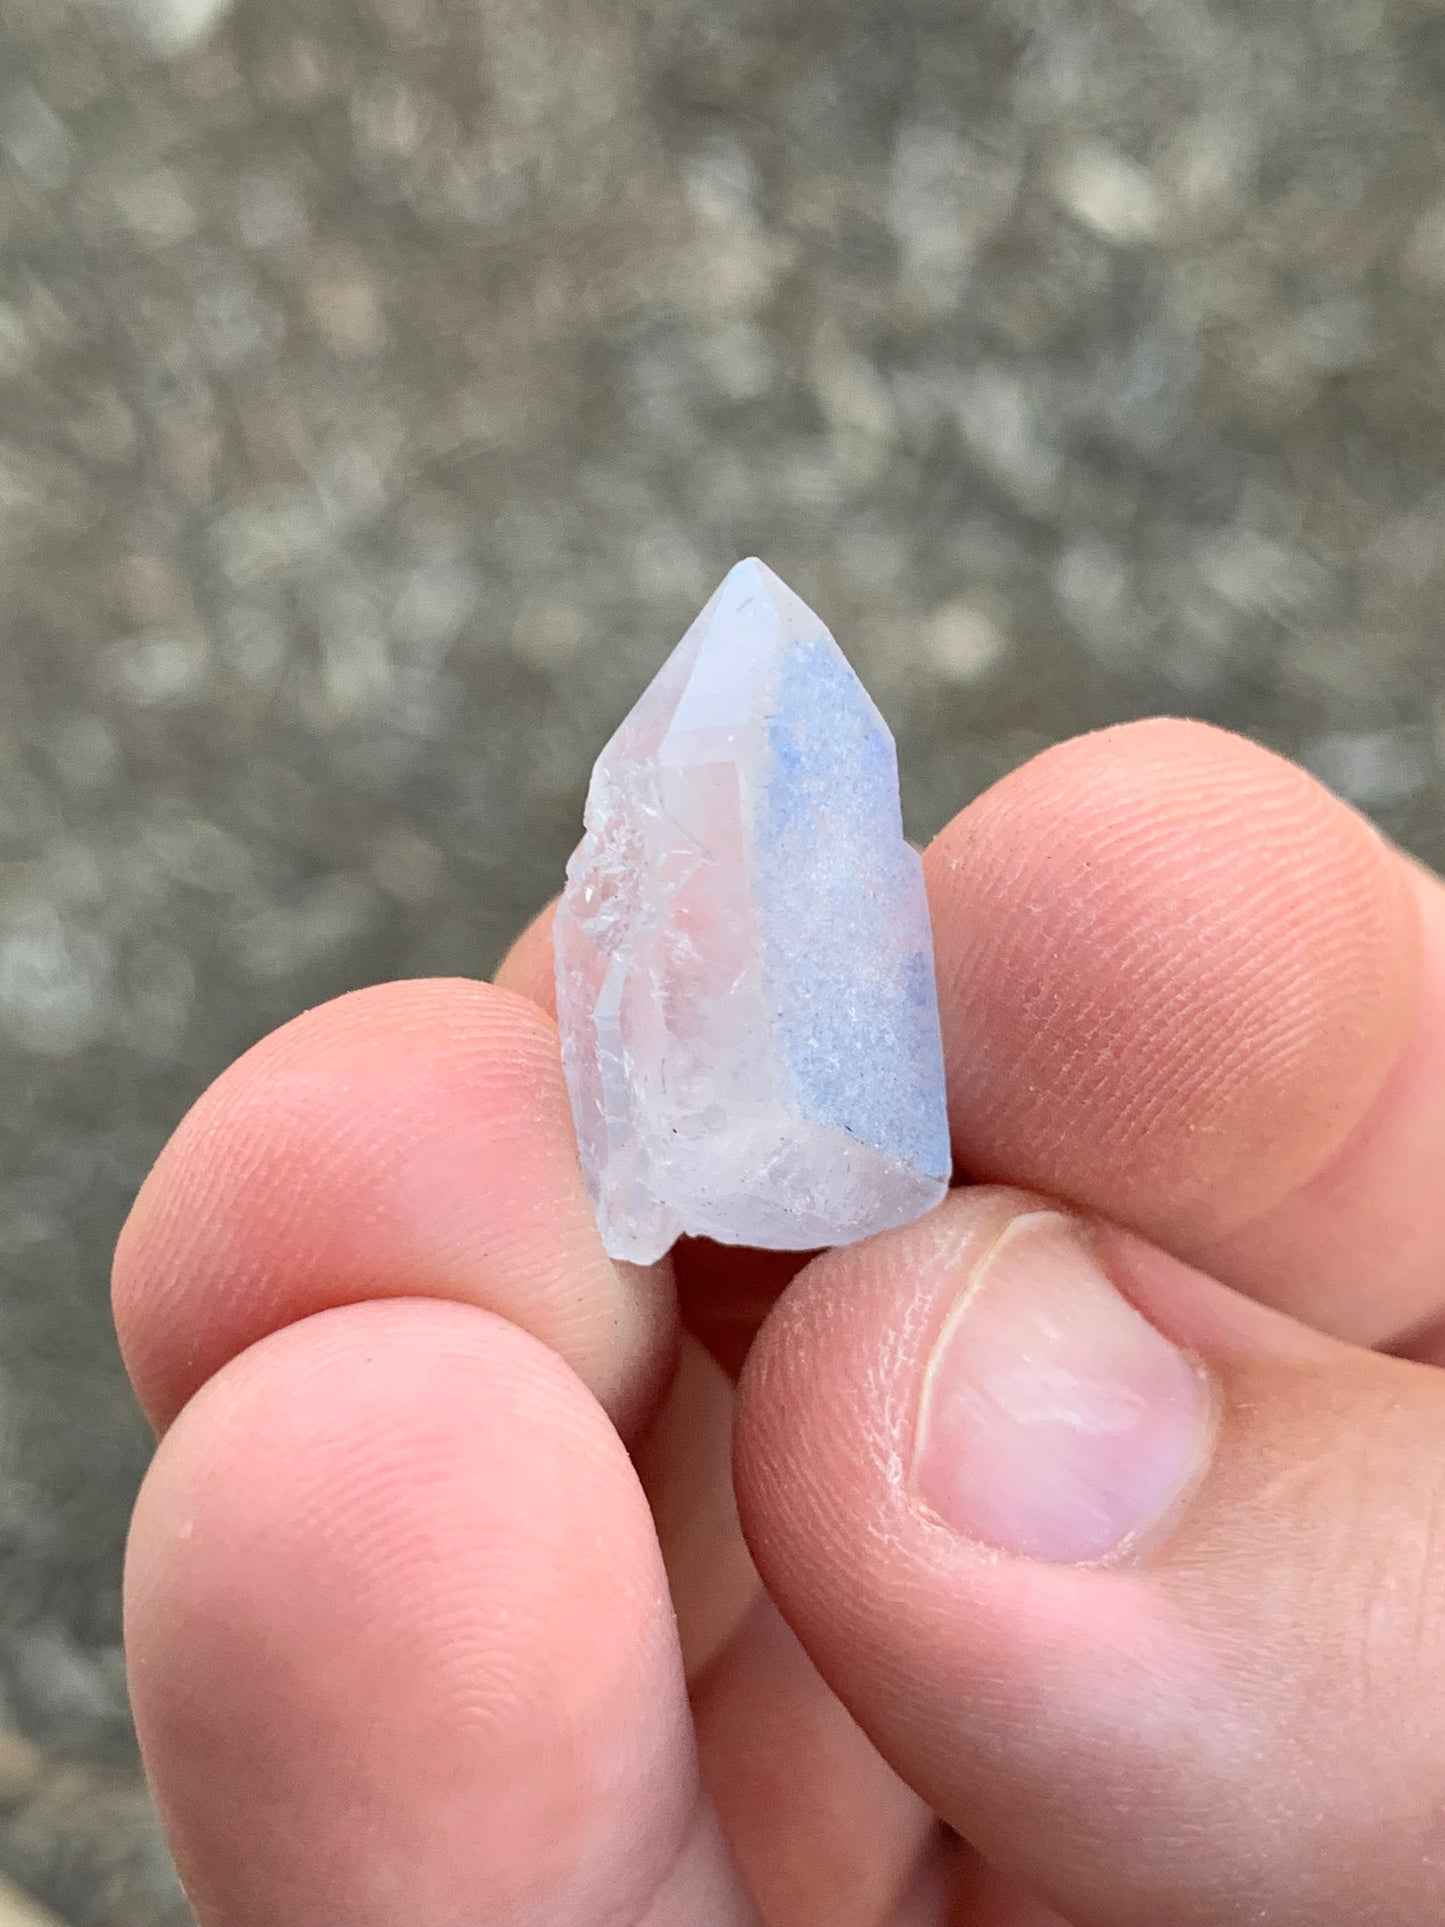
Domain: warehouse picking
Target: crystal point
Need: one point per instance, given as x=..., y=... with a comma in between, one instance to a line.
x=745, y=981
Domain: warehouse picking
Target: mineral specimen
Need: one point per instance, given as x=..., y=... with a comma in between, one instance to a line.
x=745, y=979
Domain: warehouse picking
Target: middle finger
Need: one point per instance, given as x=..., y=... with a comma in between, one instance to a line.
x=1184, y=987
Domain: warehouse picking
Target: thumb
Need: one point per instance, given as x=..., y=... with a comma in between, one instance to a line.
x=1139, y=1583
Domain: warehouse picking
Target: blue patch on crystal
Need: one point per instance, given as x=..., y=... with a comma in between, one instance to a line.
x=847, y=947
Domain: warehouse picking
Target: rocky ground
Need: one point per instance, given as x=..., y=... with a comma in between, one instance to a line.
x=382, y=388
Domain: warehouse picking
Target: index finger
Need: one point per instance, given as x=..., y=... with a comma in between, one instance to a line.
x=1187, y=988
x=408, y=1140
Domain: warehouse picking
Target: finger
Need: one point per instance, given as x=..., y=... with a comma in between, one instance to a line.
x=818, y=1848
x=1137, y=1582
x=528, y=969
x=413, y=1139
x=684, y=1461
x=826, y=1833
x=400, y=1642
x=1368, y=1207
x=983, y=1897
x=1184, y=987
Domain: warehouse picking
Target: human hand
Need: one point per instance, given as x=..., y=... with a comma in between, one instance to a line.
x=1151, y=1613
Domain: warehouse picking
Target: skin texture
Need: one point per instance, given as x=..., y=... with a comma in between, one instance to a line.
x=412, y=1140
x=398, y=1604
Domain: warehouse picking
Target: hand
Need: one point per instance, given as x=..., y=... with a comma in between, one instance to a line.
x=1109, y=1504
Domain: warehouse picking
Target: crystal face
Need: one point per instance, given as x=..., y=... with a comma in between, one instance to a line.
x=745, y=981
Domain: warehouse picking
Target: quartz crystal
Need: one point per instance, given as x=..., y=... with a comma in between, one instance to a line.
x=745, y=976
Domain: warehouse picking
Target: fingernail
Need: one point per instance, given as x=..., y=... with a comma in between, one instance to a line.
x=1055, y=1421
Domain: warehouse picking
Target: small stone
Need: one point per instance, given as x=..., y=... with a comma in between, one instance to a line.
x=745, y=980
x=176, y=26
x=1112, y=194
x=963, y=644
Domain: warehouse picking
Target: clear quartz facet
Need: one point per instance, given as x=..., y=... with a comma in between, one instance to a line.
x=745, y=981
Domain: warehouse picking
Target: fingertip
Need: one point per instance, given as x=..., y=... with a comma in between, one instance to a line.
x=410, y=1139
x=395, y=1609
x=1174, y=971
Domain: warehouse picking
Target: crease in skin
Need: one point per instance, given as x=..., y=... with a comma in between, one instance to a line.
x=685, y=1463
x=704, y=1887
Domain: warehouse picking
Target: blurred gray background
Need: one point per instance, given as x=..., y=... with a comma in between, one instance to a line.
x=385, y=383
